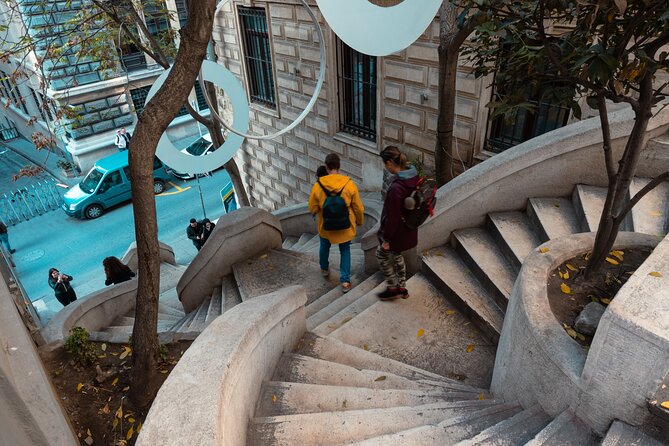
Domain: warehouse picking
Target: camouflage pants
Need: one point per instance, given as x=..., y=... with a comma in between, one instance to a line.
x=392, y=266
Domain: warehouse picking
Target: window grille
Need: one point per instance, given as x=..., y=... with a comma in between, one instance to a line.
x=182, y=11
x=201, y=102
x=139, y=100
x=356, y=76
x=258, y=55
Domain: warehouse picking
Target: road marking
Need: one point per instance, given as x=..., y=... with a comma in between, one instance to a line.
x=178, y=190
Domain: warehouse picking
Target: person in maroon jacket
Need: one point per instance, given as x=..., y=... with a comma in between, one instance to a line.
x=395, y=236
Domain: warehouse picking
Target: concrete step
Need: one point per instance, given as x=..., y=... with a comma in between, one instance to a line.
x=565, y=430
x=305, y=369
x=514, y=234
x=355, y=425
x=516, y=430
x=651, y=214
x=588, y=204
x=622, y=434
x=168, y=300
x=424, y=331
x=198, y=323
x=333, y=350
x=480, y=253
x=168, y=317
x=215, y=306
x=452, y=277
x=449, y=431
x=552, y=217
x=335, y=301
x=349, y=312
x=124, y=320
x=313, y=245
x=183, y=321
x=117, y=335
x=304, y=238
x=273, y=270
x=655, y=154
x=285, y=398
x=289, y=241
x=229, y=293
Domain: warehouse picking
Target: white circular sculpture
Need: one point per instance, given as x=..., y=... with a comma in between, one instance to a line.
x=378, y=30
x=224, y=79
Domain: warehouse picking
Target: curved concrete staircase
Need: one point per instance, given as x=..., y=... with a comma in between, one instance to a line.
x=372, y=373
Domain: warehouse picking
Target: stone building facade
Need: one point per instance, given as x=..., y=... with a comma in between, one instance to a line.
x=281, y=172
x=104, y=99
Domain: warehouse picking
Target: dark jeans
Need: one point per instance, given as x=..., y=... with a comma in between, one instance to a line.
x=67, y=298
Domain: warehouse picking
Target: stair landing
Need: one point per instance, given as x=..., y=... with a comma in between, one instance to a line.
x=425, y=331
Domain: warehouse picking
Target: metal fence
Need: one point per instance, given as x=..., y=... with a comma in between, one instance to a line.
x=30, y=201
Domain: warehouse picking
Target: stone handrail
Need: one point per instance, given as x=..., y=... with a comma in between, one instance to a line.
x=296, y=220
x=165, y=251
x=537, y=363
x=237, y=236
x=93, y=312
x=548, y=165
x=211, y=394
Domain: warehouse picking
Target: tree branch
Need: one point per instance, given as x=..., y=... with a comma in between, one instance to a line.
x=606, y=133
x=639, y=195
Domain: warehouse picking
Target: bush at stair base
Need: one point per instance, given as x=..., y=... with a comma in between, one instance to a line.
x=78, y=345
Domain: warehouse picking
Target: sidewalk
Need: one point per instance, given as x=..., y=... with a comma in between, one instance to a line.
x=44, y=158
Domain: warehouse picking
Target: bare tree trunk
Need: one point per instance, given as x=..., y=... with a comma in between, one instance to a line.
x=153, y=121
x=451, y=39
x=615, y=207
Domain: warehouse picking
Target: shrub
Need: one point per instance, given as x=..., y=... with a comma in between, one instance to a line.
x=79, y=347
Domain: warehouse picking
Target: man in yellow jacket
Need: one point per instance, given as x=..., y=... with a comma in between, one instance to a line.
x=330, y=187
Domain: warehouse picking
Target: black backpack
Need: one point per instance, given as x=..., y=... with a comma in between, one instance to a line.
x=335, y=211
x=419, y=205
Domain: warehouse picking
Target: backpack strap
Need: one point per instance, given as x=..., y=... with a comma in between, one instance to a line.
x=332, y=193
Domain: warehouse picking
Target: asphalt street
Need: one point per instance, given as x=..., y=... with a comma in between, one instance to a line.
x=77, y=247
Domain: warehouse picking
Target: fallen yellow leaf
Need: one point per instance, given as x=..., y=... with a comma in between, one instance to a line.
x=655, y=274
x=606, y=300
x=612, y=262
x=103, y=347
x=470, y=348
x=571, y=267
x=481, y=396
x=139, y=427
x=88, y=431
x=565, y=276
x=131, y=420
x=365, y=347
x=105, y=409
x=381, y=378
x=580, y=336
x=655, y=214
x=131, y=431
x=79, y=386
x=543, y=250
x=664, y=405
x=273, y=399
x=126, y=388
x=115, y=381
x=421, y=332
x=346, y=319
x=126, y=352
x=565, y=288
x=571, y=332
x=561, y=275
x=617, y=254
x=119, y=412
x=115, y=423
x=449, y=312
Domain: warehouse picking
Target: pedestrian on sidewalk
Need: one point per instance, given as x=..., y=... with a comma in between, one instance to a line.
x=194, y=233
x=61, y=286
x=394, y=235
x=127, y=137
x=207, y=229
x=4, y=238
x=116, y=271
x=121, y=141
x=336, y=200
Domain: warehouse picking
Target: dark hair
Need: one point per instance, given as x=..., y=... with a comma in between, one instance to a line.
x=52, y=270
x=113, y=267
x=321, y=171
x=332, y=161
x=192, y=220
x=392, y=153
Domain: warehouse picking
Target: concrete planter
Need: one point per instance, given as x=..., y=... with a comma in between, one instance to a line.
x=539, y=364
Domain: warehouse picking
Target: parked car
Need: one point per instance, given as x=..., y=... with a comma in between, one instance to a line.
x=107, y=184
x=199, y=147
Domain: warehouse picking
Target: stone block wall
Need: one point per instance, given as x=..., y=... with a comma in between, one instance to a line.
x=281, y=171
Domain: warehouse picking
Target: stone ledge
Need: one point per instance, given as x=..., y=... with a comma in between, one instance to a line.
x=212, y=392
x=537, y=362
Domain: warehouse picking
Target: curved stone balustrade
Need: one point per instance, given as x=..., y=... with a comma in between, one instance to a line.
x=212, y=392
x=237, y=236
x=538, y=363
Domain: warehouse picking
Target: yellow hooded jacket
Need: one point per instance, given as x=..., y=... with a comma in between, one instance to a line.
x=334, y=182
